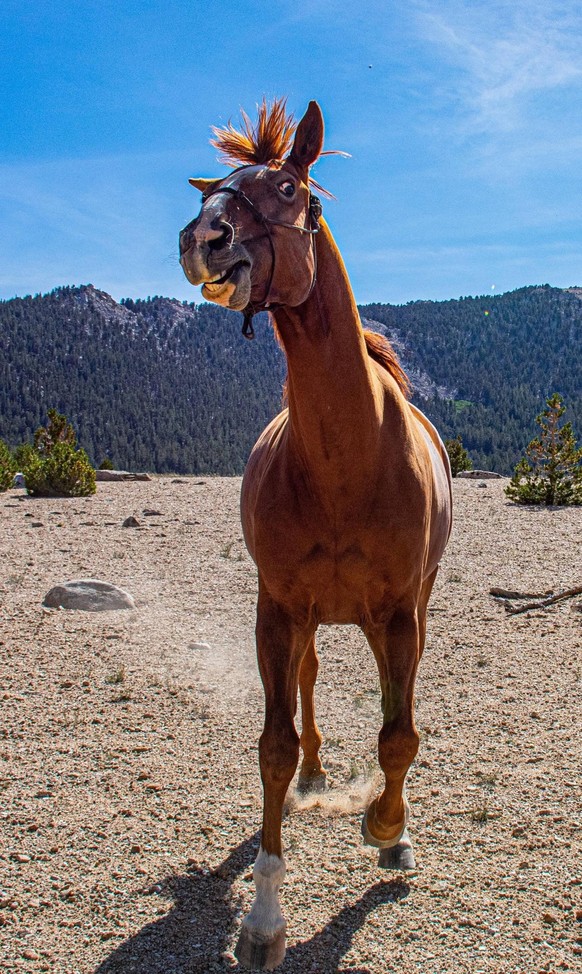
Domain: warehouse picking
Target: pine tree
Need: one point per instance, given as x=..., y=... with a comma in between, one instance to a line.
x=7, y=467
x=460, y=459
x=551, y=470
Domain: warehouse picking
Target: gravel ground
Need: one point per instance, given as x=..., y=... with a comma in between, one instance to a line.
x=129, y=786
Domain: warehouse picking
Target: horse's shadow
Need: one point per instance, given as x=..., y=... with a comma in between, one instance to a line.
x=192, y=936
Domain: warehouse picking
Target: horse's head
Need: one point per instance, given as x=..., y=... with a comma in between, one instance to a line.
x=252, y=244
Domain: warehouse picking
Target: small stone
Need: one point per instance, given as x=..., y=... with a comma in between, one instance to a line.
x=549, y=918
x=135, y=847
x=130, y=522
x=149, y=512
x=21, y=857
x=30, y=954
x=199, y=646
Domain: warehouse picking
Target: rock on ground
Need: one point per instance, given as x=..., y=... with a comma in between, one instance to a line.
x=88, y=594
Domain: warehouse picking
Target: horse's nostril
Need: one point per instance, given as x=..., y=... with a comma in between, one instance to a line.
x=225, y=239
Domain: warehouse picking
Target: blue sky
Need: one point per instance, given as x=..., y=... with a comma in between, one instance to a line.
x=463, y=120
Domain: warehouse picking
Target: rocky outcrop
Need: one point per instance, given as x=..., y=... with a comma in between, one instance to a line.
x=479, y=475
x=120, y=475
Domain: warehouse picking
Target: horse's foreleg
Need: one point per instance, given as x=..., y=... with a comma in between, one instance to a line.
x=396, y=647
x=280, y=648
x=312, y=776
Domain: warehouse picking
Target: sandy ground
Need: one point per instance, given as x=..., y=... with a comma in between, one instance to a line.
x=129, y=786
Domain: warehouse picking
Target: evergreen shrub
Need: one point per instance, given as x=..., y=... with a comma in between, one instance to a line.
x=55, y=467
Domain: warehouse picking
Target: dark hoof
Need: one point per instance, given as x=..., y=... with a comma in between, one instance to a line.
x=398, y=857
x=312, y=784
x=258, y=953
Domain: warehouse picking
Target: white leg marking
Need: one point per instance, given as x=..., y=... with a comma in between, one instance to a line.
x=265, y=917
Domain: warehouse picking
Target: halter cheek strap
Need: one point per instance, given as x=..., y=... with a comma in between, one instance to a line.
x=315, y=211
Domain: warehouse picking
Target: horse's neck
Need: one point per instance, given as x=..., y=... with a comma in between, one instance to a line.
x=334, y=401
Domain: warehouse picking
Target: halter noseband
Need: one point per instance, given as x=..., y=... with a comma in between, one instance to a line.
x=315, y=211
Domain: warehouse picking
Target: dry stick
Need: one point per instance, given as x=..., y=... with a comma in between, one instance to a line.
x=568, y=594
x=504, y=593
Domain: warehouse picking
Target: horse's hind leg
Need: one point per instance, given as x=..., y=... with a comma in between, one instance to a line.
x=396, y=646
x=312, y=776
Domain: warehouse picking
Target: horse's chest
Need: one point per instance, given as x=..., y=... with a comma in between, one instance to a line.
x=341, y=580
x=342, y=574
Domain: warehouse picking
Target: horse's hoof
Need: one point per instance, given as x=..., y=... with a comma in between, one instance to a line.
x=260, y=953
x=313, y=783
x=398, y=857
x=391, y=841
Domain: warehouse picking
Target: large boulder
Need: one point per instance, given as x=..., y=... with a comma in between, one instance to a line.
x=89, y=595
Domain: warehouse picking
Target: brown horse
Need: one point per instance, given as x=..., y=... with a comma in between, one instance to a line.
x=346, y=502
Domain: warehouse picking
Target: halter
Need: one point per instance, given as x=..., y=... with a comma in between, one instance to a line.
x=315, y=211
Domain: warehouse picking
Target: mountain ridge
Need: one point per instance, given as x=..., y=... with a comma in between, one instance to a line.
x=167, y=385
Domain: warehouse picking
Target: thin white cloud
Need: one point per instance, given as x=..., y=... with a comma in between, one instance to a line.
x=507, y=55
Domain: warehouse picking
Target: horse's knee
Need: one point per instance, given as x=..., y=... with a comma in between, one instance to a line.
x=279, y=753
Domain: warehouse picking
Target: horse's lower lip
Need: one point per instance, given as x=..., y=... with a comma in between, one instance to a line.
x=219, y=281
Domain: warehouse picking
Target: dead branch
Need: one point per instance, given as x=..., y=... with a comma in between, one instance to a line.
x=541, y=604
x=504, y=593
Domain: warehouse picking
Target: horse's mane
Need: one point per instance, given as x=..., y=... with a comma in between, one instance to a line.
x=268, y=141
x=380, y=349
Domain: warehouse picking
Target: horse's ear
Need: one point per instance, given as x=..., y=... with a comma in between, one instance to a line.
x=203, y=184
x=308, y=137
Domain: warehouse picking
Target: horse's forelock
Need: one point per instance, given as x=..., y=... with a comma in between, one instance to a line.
x=269, y=140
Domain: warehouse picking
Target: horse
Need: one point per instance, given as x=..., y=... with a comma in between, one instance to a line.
x=346, y=497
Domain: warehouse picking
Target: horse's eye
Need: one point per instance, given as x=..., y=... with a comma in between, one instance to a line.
x=287, y=188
